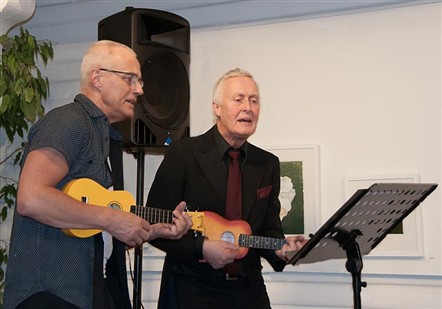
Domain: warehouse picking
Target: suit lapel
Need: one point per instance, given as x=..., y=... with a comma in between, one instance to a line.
x=252, y=176
x=212, y=167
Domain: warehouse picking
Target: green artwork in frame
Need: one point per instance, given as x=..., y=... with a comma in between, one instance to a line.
x=299, y=193
x=292, y=197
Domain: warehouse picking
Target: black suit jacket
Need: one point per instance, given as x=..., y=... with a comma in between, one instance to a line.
x=193, y=171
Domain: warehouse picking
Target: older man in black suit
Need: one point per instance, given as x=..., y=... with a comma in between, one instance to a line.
x=205, y=271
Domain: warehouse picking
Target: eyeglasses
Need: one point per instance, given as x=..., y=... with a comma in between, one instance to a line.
x=131, y=78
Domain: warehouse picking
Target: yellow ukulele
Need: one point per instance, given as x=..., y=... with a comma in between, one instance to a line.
x=90, y=192
x=210, y=224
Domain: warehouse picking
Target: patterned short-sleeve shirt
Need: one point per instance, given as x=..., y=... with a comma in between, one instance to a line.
x=41, y=257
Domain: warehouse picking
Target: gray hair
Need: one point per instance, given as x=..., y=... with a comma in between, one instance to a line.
x=218, y=87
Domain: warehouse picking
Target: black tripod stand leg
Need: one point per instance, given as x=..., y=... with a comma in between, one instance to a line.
x=138, y=254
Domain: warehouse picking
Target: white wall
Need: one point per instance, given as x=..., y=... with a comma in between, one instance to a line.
x=365, y=88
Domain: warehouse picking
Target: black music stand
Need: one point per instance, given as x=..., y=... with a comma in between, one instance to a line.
x=360, y=225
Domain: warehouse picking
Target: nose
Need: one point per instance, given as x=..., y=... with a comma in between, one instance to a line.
x=138, y=90
x=247, y=105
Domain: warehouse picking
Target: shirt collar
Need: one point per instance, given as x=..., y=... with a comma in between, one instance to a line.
x=95, y=112
x=222, y=146
x=89, y=106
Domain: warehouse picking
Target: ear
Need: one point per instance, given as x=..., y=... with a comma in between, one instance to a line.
x=216, y=109
x=95, y=78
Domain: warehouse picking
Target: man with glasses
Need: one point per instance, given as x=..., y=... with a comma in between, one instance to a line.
x=47, y=268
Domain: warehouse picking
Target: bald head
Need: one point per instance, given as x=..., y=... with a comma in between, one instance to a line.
x=103, y=54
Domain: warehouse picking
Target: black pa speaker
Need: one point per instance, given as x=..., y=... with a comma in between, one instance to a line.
x=161, y=41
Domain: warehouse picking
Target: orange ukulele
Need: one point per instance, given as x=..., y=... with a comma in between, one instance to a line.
x=210, y=224
x=237, y=232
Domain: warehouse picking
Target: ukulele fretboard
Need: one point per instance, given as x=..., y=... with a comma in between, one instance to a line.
x=153, y=215
x=261, y=242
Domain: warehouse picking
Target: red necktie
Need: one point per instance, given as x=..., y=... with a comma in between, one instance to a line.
x=233, y=203
x=234, y=189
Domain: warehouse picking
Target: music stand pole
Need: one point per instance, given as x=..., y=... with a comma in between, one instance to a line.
x=138, y=254
x=354, y=266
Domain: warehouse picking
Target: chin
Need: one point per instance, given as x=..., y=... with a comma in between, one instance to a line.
x=245, y=134
x=129, y=115
x=248, y=130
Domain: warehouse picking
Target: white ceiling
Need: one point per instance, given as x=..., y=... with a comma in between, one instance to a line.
x=205, y=13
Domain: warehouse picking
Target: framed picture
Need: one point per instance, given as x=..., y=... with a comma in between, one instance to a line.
x=407, y=239
x=299, y=195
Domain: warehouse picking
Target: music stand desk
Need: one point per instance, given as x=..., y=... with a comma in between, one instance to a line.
x=360, y=225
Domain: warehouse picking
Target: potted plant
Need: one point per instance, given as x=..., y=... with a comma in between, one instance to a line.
x=22, y=90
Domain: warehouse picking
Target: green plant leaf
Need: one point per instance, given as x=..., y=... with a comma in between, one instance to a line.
x=6, y=101
x=29, y=94
x=4, y=214
x=23, y=87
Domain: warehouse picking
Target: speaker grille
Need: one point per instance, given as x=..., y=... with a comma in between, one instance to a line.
x=166, y=90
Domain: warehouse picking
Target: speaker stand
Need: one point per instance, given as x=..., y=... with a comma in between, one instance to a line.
x=138, y=254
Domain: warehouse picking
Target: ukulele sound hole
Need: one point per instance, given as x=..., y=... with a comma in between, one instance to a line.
x=228, y=237
x=115, y=206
